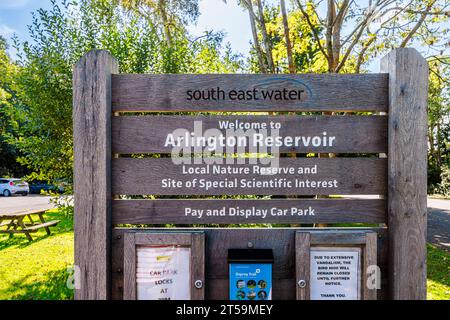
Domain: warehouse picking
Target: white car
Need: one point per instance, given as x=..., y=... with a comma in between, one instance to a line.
x=10, y=186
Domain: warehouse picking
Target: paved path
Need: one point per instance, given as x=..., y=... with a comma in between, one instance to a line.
x=439, y=223
x=20, y=203
x=438, y=231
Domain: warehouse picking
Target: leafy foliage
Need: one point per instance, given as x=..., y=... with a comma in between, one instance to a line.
x=8, y=100
x=305, y=52
x=439, y=126
x=60, y=36
x=150, y=36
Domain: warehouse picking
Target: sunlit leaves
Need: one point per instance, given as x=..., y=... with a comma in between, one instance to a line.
x=61, y=35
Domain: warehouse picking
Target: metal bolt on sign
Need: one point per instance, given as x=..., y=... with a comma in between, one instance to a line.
x=301, y=283
x=198, y=284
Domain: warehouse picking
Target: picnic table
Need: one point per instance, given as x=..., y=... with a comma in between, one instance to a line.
x=23, y=222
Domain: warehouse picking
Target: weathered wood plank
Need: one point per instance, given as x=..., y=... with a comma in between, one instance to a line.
x=129, y=267
x=217, y=243
x=9, y=212
x=92, y=172
x=370, y=262
x=117, y=264
x=352, y=134
x=278, y=211
x=314, y=92
x=407, y=172
x=151, y=239
x=13, y=231
x=42, y=225
x=341, y=175
x=302, y=265
x=343, y=237
x=197, y=265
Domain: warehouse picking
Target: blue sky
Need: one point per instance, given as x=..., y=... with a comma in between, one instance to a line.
x=15, y=15
x=227, y=17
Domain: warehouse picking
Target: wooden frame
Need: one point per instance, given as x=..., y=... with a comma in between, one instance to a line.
x=194, y=240
x=306, y=240
x=219, y=240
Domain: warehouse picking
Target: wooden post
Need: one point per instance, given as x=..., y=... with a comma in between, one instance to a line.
x=302, y=265
x=370, y=259
x=92, y=172
x=407, y=172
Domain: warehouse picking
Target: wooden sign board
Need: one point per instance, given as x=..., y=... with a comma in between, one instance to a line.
x=218, y=240
x=195, y=211
x=301, y=176
x=120, y=155
x=249, y=92
x=300, y=134
x=164, y=266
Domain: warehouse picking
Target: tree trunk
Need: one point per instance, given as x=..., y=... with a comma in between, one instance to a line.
x=331, y=15
x=259, y=54
x=417, y=26
x=431, y=142
x=165, y=22
x=286, y=35
x=438, y=135
x=332, y=65
x=266, y=40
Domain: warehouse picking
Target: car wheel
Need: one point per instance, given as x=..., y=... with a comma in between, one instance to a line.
x=25, y=194
x=6, y=193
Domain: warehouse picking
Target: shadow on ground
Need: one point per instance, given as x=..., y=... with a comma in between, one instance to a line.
x=51, y=287
x=438, y=230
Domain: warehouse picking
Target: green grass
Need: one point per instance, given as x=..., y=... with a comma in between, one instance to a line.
x=438, y=282
x=38, y=270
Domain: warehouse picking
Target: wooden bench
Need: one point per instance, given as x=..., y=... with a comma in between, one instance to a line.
x=45, y=225
x=14, y=222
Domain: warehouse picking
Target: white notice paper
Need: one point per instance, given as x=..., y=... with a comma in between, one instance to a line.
x=162, y=273
x=335, y=273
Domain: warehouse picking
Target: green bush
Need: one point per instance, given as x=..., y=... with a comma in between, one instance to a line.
x=444, y=186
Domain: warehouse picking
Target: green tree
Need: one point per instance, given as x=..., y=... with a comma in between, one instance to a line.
x=356, y=31
x=8, y=100
x=439, y=124
x=169, y=16
x=292, y=47
x=348, y=34
x=60, y=36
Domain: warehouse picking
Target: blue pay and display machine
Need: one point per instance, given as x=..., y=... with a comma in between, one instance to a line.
x=250, y=272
